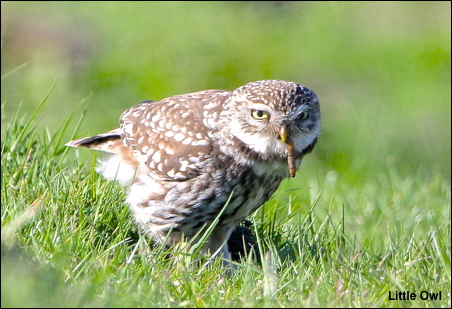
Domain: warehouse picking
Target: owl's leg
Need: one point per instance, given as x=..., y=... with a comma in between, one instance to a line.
x=218, y=244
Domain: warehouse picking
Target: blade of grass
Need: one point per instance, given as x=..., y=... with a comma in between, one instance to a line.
x=64, y=125
x=32, y=117
x=15, y=70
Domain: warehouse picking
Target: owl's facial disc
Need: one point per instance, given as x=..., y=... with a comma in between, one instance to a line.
x=290, y=150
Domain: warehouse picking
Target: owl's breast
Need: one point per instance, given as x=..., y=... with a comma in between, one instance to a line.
x=272, y=169
x=250, y=192
x=229, y=196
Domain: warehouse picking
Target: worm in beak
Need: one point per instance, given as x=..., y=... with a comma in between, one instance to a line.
x=290, y=149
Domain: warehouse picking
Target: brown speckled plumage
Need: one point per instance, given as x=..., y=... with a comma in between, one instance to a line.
x=186, y=155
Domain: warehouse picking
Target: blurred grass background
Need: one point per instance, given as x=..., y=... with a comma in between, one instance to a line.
x=380, y=69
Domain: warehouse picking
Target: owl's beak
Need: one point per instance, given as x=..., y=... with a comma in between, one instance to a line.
x=283, y=134
x=290, y=150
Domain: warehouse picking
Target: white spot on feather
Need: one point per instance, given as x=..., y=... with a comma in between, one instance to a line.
x=156, y=157
x=169, y=134
x=187, y=141
x=128, y=128
x=183, y=166
x=156, y=118
x=201, y=142
x=179, y=137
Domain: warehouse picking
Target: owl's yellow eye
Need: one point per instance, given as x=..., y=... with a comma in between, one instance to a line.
x=259, y=115
x=304, y=115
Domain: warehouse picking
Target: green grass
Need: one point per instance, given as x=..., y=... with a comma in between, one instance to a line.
x=68, y=240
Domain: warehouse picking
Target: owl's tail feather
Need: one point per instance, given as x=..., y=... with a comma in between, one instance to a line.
x=107, y=142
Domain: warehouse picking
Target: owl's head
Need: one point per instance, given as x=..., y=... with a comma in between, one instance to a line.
x=274, y=118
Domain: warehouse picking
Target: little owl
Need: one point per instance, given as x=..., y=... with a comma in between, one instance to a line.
x=194, y=157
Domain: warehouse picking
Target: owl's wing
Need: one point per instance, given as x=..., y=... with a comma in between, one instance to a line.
x=169, y=137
